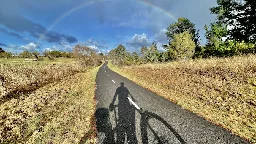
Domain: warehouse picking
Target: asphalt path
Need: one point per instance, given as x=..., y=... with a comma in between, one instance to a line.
x=129, y=113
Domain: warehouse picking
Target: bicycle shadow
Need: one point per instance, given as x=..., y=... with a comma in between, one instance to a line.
x=125, y=129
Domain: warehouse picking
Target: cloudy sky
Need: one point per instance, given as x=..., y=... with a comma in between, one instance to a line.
x=39, y=25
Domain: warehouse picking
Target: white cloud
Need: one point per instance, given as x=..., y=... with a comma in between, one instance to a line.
x=96, y=44
x=31, y=47
x=139, y=41
x=48, y=49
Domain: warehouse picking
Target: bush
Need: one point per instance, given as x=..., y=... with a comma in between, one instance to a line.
x=228, y=48
x=5, y=55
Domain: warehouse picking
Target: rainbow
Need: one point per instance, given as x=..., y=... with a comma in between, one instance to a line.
x=87, y=3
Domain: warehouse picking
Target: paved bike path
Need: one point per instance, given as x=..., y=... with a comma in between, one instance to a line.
x=161, y=121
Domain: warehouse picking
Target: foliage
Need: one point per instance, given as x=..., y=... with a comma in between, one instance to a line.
x=5, y=55
x=182, y=25
x=87, y=56
x=25, y=54
x=240, y=16
x=150, y=54
x=1, y=50
x=54, y=54
x=164, y=56
x=153, y=53
x=182, y=46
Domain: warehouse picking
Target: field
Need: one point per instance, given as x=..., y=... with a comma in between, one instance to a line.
x=221, y=90
x=46, y=101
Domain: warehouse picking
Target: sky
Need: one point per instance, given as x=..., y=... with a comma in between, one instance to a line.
x=45, y=25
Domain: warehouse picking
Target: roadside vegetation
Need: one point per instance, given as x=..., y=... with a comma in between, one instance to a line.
x=215, y=80
x=48, y=101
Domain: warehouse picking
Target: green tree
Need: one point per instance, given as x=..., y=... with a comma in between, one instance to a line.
x=135, y=57
x=240, y=15
x=182, y=46
x=164, y=56
x=182, y=25
x=153, y=53
x=144, y=53
x=215, y=33
x=55, y=54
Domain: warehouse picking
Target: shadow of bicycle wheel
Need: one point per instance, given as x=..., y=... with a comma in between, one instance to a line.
x=144, y=125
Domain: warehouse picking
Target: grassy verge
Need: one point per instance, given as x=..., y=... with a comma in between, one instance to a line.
x=59, y=112
x=221, y=90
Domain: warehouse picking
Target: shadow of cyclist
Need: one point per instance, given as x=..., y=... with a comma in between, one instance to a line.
x=126, y=116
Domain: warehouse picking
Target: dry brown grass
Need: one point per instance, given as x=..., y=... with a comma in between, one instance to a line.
x=221, y=90
x=52, y=103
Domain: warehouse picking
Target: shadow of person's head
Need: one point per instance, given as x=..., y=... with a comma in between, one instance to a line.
x=122, y=84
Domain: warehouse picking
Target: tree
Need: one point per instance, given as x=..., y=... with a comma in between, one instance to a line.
x=135, y=57
x=86, y=55
x=55, y=54
x=1, y=50
x=182, y=46
x=164, y=56
x=119, y=55
x=144, y=53
x=153, y=53
x=26, y=54
x=182, y=25
x=239, y=16
x=5, y=55
x=215, y=33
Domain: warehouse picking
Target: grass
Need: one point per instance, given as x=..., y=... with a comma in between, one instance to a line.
x=47, y=103
x=221, y=90
x=45, y=61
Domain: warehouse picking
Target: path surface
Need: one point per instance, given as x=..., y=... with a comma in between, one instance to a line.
x=160, y=121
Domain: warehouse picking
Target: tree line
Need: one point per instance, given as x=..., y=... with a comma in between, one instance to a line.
x=82, y=53
x=28, y=54
x=232, y=33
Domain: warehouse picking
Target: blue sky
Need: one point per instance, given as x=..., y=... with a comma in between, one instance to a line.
x=39, y=25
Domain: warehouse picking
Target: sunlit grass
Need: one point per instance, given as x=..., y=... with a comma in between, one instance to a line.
x=221, y=90
x=53, y=103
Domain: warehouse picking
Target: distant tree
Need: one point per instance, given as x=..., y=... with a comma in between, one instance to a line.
x=121, y=52
x=5, y=55
x=182, y=46
x=86, y=55
x=55, y=54
x=25, y=54
x=1, y=50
